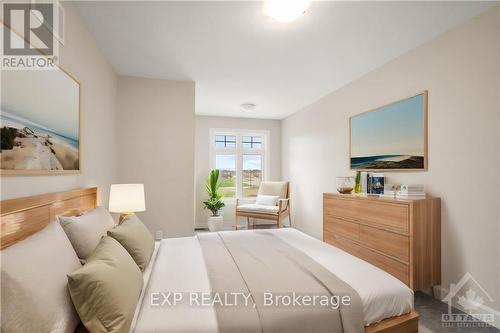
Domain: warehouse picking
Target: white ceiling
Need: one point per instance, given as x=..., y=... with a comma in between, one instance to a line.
x=236, y=54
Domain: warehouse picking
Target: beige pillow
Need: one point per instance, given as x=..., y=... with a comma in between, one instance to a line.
x=34, y=292
x=136, y=239
x=85, y=231
x=105, y=291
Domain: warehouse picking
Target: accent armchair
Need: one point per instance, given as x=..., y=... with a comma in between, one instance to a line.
x=276, y=212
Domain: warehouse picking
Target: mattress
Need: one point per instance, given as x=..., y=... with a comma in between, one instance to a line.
x=179, y=268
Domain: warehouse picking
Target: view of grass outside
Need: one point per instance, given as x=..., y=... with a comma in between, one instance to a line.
x=250, y=189
x=227, y=166
x=228, y=186
x=252, y=174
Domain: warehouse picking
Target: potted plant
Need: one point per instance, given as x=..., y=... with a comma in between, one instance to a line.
x=214, y=202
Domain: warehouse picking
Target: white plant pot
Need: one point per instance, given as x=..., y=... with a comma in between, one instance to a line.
x=215, y=223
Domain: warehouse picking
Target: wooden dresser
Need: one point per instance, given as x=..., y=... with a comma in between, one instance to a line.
x=402, y=237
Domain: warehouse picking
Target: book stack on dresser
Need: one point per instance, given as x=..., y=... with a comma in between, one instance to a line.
x=402, y=237
x=411, y=191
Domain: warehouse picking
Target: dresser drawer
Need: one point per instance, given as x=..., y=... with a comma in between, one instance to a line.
x=391, y=266
x=387, y=215
x=401, y=237
x=341, y=243
x=390, y=243
x=343, y=228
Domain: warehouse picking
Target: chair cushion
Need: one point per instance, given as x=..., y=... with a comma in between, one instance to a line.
x=255, y=208
x=274, y=188
x=267, y=200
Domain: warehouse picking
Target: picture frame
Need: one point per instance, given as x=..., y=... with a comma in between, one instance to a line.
x=58, y=147
x=392, y=137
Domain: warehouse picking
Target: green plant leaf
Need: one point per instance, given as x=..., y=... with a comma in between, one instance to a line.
x=214, y=203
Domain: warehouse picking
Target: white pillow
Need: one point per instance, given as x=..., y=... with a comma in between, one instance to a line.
x=85, y=231
x=34, y=292
x=267, y=200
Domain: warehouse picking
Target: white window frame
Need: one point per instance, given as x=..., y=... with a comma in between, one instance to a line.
x=239, y=151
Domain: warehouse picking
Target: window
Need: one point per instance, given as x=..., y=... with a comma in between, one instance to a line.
x=227, y=166
x=226, y=141
x=251, y=142
x=241, y=157
x=252, y=174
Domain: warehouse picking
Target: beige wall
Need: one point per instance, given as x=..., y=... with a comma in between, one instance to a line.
x=498, y=256
x=82, y=59
x=202, y=158
x=147, y=128
x=156, y=148
x=460, y=69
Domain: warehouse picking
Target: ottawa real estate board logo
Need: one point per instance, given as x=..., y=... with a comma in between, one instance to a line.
x=469, y=305
x=30, y=32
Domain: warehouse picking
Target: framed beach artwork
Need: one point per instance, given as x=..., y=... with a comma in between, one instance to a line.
x=392, y=137
x=39, y=122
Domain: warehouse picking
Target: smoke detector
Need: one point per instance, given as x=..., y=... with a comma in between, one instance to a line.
x=248, y=106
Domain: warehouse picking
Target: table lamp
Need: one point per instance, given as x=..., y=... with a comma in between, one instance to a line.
x=126, y=199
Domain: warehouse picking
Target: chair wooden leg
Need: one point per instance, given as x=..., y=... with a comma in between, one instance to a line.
x=278, y=222
x=248, y=222
x=289, y=215
x=236, y=223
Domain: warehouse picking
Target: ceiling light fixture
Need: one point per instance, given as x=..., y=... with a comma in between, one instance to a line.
x=285, y=11
x=248, y=106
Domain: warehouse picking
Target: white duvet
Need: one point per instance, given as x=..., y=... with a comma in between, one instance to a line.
x=179, y=267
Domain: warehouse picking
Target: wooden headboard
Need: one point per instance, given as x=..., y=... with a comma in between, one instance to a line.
x=23, y=217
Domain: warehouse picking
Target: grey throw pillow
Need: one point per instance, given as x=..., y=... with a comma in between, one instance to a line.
x=85, y=231
x=135, y=237
x=105, y=291
x=34, y=292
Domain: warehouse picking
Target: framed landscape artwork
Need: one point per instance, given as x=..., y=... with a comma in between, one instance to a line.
x=391, y=137
x=39, y=121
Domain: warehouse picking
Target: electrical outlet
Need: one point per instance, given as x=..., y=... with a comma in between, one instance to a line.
x=159, y=235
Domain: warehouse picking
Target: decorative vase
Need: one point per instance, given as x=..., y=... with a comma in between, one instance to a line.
x=357, y=186
x=215, y=223
x=345, y=185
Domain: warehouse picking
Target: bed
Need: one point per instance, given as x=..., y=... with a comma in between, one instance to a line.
x=178, y=265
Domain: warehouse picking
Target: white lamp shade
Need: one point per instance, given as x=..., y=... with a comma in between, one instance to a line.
x=126, y=198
